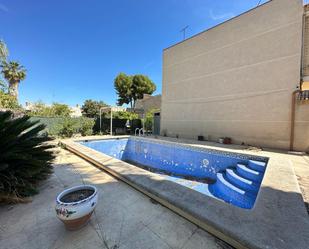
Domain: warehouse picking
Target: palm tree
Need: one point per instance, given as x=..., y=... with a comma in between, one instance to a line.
x=13, y=72
x=3, y=51
x=3, y=56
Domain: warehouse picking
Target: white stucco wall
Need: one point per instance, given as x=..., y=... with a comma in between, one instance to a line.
x=237, y=79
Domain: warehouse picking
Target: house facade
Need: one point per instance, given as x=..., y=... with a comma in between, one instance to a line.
x=241, y=79
x=149, y=102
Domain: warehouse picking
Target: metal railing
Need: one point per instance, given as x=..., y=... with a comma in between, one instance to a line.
x=139, y=131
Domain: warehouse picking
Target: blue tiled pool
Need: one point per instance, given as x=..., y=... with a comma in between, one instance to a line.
x=233, y=178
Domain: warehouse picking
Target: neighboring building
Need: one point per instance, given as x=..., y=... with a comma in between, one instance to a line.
x=29, y=106
x=118, y=109
x=237, y=79
x=76, y=111
x=149, y=102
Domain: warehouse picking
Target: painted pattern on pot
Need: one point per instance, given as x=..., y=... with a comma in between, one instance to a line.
x=75, y=211
x=64, y=212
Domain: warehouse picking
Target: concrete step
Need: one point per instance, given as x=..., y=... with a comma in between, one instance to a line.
x=257, y=165
x=240, y=182
x=228, y=192
x=250, y=174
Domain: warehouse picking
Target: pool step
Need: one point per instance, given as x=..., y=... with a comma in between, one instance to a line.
x=257, y=165
x=230, y=193
x=240, y=182
x=248, y=173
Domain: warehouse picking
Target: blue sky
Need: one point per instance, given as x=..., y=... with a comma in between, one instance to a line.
x=73, y=49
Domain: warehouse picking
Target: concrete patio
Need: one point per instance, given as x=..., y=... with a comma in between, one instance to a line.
x=124, y=218
x=278, y=219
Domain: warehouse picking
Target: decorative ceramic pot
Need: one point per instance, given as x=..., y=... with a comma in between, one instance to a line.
x=75, y=205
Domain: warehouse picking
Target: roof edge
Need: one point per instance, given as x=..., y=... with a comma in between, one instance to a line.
x=204, y=31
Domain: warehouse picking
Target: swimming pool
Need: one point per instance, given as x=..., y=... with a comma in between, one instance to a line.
x=231, y=177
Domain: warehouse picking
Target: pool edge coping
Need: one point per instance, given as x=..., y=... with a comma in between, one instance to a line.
x=215, y=227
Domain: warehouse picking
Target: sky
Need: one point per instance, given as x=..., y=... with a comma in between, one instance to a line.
x=73, y=49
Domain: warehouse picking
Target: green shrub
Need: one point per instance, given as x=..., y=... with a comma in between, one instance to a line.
x=8, y=101
x=86, y=126
x=39, y=109
x=25, y=157
x=66, y=128
x=123, y=115
x=148, y=121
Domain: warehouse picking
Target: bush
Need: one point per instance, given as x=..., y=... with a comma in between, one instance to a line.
x=25, y=158
x=66, y=128
x=39, y=109
x=148, y=121
x=86, y=126
x=91, y=108
x=123, y=115
x=8, y=102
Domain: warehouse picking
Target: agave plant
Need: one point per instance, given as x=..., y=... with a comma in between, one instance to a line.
x=25, y=157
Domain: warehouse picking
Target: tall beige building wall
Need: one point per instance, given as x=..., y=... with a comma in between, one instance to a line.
x=237, y=79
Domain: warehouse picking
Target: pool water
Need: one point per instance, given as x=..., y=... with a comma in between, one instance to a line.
x=232, y=177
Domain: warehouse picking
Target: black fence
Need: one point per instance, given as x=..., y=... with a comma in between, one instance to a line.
x=120, y=126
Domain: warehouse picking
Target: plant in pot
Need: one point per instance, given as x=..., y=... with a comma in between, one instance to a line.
x=225, y=140
x=74, y=206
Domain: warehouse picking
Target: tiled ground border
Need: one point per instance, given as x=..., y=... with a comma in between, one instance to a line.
x=278, y=219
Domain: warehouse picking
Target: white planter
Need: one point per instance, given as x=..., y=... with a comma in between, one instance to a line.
x=76, y=214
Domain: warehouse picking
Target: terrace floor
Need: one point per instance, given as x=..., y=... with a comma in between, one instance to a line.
x=124, y=218
x=278, y=219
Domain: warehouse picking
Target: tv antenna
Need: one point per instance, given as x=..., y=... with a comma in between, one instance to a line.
x=259, y=2
x=184, y=31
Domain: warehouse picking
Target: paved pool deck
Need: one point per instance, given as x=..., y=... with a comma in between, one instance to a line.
x=124, y=217
x=278, y=220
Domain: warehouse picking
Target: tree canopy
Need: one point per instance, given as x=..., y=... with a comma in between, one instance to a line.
x=6, y=101
x=60, y=110
x=91, y=108
x=131, y=88
x=13, y=72
x=123, y=115
x=55, y=110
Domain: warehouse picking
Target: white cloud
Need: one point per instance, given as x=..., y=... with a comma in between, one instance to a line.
x=220, y=16
x=3, y=8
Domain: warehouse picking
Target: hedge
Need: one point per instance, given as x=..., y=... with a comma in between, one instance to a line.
x=54, y=124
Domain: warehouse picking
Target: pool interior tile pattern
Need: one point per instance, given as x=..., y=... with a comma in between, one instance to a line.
x=236, y=177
